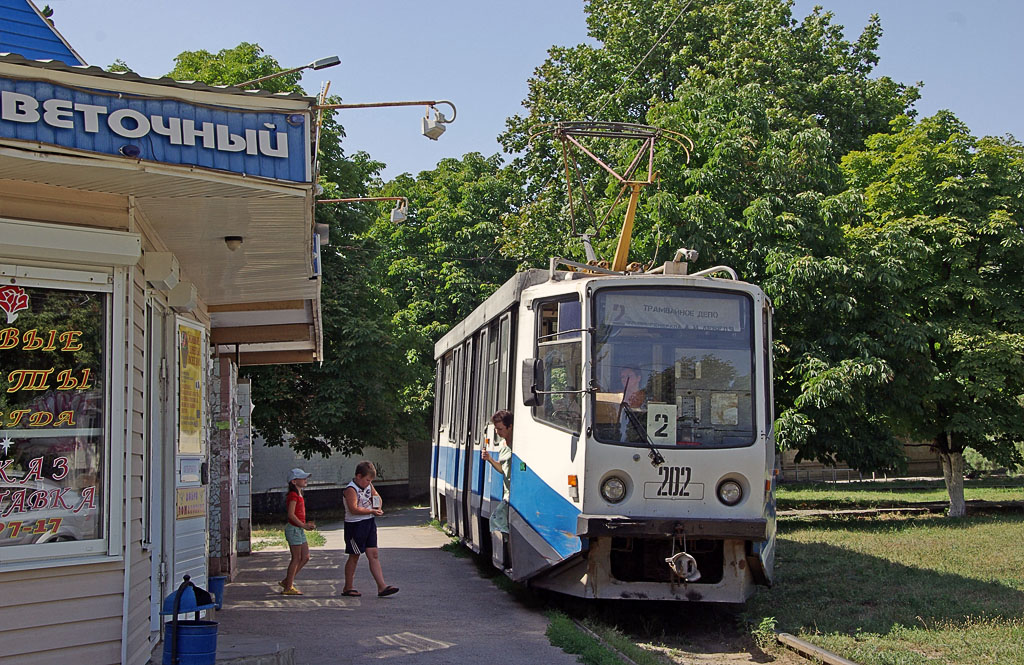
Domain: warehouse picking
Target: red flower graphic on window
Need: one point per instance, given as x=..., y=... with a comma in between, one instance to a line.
x=13, y=299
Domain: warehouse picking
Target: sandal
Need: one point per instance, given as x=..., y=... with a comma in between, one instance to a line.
x=350, y=592
x=387, y=591
x=291, y=592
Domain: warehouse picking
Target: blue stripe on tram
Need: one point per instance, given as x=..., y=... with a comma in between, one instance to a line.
x=547, y=512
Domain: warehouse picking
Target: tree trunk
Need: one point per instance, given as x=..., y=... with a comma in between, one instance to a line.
x=953, y=472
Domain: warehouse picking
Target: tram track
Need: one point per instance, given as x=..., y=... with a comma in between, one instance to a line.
x=690, y=634
x=808, y=652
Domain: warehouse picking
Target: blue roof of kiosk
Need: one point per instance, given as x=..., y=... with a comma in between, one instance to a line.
x=24, y=31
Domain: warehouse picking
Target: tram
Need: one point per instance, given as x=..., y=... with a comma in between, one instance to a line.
x=659, y=490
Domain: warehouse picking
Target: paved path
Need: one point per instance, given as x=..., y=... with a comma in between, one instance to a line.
x=444, y=613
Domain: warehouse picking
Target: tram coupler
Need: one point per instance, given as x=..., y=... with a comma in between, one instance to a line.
x=684, y=565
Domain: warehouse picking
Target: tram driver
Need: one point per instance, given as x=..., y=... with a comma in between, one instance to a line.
x=634, y=397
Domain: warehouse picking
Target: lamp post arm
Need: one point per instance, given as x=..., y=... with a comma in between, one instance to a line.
x=403, y=199
x=274, y=75
x=374, y=105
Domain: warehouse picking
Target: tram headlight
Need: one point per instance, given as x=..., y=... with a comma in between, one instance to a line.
x=730, y=492
x=613, y=489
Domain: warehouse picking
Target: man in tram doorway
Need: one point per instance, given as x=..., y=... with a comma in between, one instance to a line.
x=502, y=428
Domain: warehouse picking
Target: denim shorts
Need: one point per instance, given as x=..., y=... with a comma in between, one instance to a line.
x=295, y=535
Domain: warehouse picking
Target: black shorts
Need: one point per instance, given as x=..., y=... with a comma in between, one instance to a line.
x=359, y=536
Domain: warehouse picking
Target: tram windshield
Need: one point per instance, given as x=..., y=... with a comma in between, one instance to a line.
x=679, y=361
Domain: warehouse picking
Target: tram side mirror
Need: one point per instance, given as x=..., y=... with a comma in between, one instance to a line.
x=533, y=376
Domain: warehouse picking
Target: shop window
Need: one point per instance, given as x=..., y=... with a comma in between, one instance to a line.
x=55, y=441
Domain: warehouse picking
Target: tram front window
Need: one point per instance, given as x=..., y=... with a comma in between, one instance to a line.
x=679, y=361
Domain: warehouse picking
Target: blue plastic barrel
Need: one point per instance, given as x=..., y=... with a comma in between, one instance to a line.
x=197, y=643
x=216, y=586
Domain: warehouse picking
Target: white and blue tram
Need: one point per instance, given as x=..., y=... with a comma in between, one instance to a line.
x=668, y=498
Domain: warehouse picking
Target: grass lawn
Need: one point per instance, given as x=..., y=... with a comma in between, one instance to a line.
x=272, y=535
x=832, y=496
x=901, y=590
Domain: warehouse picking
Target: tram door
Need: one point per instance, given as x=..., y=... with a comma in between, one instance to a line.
x=478, y=419
x=464, y=440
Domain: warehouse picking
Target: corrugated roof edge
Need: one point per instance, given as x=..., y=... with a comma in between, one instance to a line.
x=93, y=70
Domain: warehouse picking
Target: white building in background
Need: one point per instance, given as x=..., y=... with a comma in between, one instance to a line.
x=403, y=475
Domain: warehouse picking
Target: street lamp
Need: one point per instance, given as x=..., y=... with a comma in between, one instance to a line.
x=432, y=128
x=398, y=214
x=322, y=63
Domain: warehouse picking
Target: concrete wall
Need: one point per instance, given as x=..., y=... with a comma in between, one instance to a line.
x=403, y=475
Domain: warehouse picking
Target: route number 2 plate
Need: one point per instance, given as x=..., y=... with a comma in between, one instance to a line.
x=661, y=423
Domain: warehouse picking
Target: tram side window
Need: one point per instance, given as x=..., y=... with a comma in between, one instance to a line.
x=466, y=400
x=446, y=395
x=492, y=370
x=458, y=395
x=480, y=383
x=438, y=397
x=559, y=346
x=504, y=344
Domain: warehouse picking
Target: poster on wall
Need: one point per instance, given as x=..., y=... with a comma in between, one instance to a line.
x=190, y=390
x=189, y=502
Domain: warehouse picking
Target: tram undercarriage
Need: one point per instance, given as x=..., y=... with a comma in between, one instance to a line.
x=634, y=568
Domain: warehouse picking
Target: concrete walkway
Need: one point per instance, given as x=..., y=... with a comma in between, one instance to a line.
x=444, y=613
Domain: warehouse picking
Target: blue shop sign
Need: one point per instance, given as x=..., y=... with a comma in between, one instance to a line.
x=256, y=143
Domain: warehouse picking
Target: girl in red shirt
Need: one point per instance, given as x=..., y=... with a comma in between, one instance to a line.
x=295, y=530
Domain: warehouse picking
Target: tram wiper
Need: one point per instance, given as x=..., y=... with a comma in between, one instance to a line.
x=656, y=457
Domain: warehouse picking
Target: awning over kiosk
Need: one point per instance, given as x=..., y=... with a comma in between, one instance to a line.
x=212, y=163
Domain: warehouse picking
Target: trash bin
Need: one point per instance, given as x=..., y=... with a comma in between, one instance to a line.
x=216, y=584
x=196, y=643
x=189, y=642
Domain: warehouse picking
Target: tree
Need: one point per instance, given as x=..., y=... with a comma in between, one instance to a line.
x=944, y=220
x=119, y=65
x=231, y=66
x=444, y=260
x=772, y=105
x=352, y=399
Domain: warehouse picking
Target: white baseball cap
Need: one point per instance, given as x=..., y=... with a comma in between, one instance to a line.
x=297, y=473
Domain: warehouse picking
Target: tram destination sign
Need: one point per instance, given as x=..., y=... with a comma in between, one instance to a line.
x=256, y=143
x=633, y=310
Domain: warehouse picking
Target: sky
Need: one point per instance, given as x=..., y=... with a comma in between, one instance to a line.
x=479, y=54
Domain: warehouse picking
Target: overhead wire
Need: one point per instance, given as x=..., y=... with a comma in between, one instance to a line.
x=646, y=55
x=470, y=259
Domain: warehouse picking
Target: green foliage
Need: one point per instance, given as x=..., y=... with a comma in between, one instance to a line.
x=764, y=634
x=943, y=224
x=232, y=66
x=273, y=536
x=564, y=634
x=443, y=261
x=354, y=399
x=119, y=65
x=978, y=465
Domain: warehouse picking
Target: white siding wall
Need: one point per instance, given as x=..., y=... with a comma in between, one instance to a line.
x=137, y=647
x=67, y=614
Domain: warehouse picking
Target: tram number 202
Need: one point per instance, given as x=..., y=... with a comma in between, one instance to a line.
x=674, y=480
